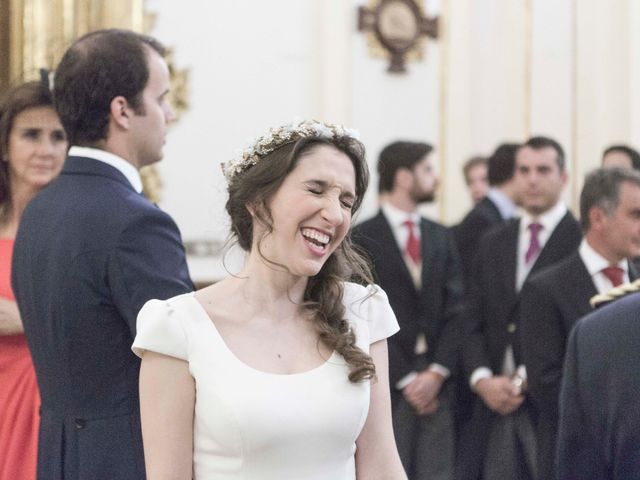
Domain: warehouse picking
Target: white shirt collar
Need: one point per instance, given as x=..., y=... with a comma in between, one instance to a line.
x=596, y=262
x=129, y=171
x=549, y=219
x=397, y=217
x=503, y=203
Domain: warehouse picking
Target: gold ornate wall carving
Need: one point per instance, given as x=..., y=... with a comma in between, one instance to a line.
x=35, y=33
x=39, y=31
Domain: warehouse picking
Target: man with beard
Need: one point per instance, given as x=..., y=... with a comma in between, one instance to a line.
x=415, y=262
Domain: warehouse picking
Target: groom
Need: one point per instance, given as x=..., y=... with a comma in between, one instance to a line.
x=91, y=250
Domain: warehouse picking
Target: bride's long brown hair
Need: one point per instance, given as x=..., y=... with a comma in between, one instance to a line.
x=324, y=292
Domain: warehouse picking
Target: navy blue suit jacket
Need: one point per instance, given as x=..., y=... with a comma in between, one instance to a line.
x=599, y=432
x=89, y=253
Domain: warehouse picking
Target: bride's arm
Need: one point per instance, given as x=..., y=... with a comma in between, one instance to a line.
x=167, y=402
x=376, y=452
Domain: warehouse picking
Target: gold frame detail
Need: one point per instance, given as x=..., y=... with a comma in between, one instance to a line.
x=39, y=32
x=444, y=104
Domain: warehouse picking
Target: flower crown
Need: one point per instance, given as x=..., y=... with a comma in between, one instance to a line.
x=277, y=137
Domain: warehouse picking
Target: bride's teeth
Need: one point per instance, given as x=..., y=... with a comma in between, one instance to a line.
x=312, y=234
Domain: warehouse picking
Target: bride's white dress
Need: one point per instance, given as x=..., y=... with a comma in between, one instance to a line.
x=252, y=425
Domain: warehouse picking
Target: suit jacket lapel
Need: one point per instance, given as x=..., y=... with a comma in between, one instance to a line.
x=510, y=263
x=389, y=239
x=428, y=251
x=580, y=280
x=547, y=251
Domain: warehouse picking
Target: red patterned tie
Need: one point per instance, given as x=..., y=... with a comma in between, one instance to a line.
x=614, y=274
x=413, y=244
x=534, y=243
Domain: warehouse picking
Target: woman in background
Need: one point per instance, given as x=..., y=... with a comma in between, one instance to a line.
x=33, y=146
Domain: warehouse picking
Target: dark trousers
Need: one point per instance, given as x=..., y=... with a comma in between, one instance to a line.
x=511, y=449
x=493, y=447
x=425, y=442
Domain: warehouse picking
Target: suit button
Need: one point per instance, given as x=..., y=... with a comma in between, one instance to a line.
x=80, y=423
x=511, y=328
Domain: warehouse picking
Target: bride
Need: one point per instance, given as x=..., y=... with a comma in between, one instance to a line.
x=278, y=372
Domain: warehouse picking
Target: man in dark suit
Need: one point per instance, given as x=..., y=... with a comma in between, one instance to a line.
x=501, y=441
x=495, y=208
x=555, y=298
x=91, y=250
x=415, y=262
x=599, y=431
x=498, y=206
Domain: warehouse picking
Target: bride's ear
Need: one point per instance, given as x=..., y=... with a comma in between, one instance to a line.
x=259, y=214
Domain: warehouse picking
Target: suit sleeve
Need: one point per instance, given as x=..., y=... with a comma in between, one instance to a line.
x=577, y=455
x=542, y=340
x=474, y=347
x=448, y=348
x=148, y=262
x=466, y=236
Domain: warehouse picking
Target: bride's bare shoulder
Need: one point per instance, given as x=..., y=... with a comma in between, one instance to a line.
x=218, y=295
x=216, y=290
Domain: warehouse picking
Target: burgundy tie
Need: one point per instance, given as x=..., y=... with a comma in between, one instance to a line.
x=413, y=244
x=534, y=244
x=614, y=274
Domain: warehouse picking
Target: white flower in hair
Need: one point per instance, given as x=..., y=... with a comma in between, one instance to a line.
x=277, y=137
x=323, y=131
x=352, y=132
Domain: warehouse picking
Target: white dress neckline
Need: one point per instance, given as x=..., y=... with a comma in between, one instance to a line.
x=220, y=340
x=254, y=425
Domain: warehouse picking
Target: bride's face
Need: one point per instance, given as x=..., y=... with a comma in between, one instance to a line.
x=311, y=211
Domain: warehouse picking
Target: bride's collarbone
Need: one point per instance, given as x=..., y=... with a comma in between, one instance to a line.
x=280, y=347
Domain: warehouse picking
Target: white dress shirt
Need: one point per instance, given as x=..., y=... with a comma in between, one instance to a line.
x=595, y=263
x=119, y=163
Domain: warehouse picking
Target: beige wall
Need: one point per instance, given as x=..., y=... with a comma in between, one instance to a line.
x=564, y=68
x=500, y=71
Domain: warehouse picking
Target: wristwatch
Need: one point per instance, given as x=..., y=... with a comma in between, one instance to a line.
x=518, y=383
